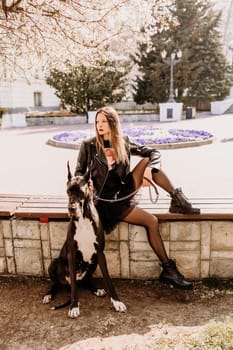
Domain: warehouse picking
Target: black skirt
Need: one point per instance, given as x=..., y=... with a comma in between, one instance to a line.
x=110, y=211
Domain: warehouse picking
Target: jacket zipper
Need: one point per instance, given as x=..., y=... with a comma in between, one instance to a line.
x=102, y=163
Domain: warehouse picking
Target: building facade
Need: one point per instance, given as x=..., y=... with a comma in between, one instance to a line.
x=19, y=96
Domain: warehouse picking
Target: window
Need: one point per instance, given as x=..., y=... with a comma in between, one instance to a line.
x=37, y=99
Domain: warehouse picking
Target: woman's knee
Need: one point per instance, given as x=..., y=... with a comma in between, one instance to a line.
x=152, y=222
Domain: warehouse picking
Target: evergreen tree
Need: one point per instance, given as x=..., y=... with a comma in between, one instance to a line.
x=202, y=73
x=84, y=88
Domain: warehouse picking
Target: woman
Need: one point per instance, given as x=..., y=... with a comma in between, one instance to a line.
x=107, y=157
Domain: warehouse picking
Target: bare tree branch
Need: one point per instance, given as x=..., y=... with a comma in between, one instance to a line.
x=51, y=32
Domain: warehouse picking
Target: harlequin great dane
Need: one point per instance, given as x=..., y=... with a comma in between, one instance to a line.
x=83, y=249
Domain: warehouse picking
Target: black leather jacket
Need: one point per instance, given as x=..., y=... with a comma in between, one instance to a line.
x=95, y=162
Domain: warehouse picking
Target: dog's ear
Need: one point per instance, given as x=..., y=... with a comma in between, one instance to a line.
x=69, y=172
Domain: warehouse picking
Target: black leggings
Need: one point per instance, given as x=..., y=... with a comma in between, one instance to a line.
x=138, y=216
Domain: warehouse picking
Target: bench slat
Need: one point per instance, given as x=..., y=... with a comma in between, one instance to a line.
x=203, y=216
x=9, y=203
x=53, y=206
x=44, y=201
x=193, y=201
x=207, y=206
x=14, y=196
x=35, y=213
x=7, y=210
x=43, y=205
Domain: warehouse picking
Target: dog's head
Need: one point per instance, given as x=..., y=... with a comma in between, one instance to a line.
x=80, y=194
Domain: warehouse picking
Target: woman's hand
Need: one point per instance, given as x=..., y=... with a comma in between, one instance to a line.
x=147, y=173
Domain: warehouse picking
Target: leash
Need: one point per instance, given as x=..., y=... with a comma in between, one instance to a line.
x=153, y=185
x=115, y=200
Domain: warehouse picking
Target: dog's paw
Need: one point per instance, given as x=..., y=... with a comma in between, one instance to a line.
x=74, y=312
x=100, y=292
x=47, y=298
x=118, y=305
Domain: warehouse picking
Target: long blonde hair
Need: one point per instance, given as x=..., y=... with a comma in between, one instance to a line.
x=116, y=140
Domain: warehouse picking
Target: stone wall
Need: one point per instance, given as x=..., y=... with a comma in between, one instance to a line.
x=201, y=248
x=55, y=120
x=74, y=120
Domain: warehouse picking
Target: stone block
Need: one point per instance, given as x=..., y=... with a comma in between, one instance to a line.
x=182, y=246
x=11, y=265
x=5, y=228
x=188, y=263
x=123, y=231
x=222, y=235
x=137, y=233
x=221, y=254
x=167, y=246
x=28, y=229
x=9, y=247
x=1, y=239
x=112, y=245
x=164, y=229
x=139, y=246
x=3, y=267
x=18, y=120
x=113, y=236
x=205, y=268
x=170, y=111
x=7, y=121
x=44, y=231
x=27, y=243
x=113, y=262
x=205, y=239
x=46, y=249
x=46, y=266
x=143, y=255
x=58, y=232
x=185, y=231
x=144, y=269
x=221, y=268
x=124, y=259
x=28, y=261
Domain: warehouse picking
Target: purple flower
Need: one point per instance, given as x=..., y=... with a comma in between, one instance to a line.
x=143, y=135
x=154, y=135
x=71, y=136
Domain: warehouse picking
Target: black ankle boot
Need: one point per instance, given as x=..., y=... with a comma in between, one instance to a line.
x=180, y=204
x=171, y=275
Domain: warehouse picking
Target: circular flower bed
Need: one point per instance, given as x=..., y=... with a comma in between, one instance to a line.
x=159, y=137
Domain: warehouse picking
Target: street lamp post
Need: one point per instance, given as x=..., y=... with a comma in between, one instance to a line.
x=172, y=61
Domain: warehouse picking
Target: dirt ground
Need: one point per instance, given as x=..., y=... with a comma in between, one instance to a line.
x=26, y=323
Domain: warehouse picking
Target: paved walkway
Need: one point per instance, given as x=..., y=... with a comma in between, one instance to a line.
x=30, y=166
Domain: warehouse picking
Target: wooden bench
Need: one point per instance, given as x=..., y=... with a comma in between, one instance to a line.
x=202, y=243
x=55, y=207
x=9, y=203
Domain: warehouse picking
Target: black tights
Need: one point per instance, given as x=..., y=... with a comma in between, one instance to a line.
x=138, y=216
